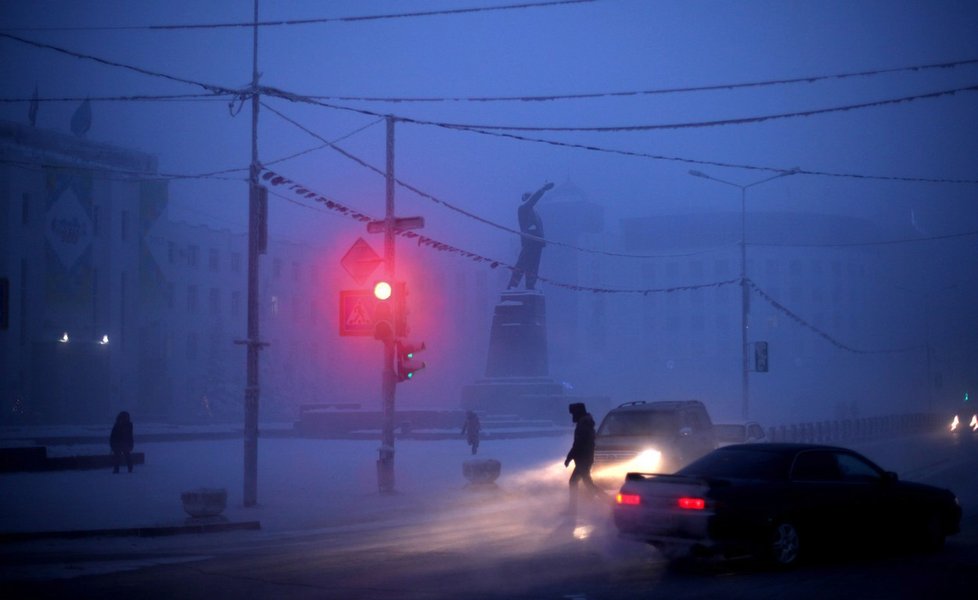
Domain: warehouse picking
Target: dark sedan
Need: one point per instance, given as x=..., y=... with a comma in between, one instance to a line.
x=781, y=502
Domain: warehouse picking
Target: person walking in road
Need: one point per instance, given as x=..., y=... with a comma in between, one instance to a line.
x=528, y=263
x=120, y=440
x=582, y=453
x=470, y=429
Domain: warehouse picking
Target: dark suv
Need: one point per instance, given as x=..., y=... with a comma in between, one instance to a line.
x=651, y=437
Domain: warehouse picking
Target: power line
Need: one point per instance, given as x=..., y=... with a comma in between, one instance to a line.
x=880, y=243
x=209, y=87
x=699, y=124
x=651, y=92
x=451, y=206
x=311, y=21
x=104, y=173
x=780, y=307
x=304, y=192
x=274, y=92
x=136, y=97
x=714, y=163
x=299, y=98
x=271, y=91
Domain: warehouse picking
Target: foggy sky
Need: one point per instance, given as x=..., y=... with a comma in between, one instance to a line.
x=604, y=46
x=599, y=47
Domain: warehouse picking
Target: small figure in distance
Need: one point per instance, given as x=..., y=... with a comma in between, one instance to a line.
x=470, y=429
x=528, y=263
x=120, y=440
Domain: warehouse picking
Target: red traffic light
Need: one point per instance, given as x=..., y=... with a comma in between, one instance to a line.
x=383, y=290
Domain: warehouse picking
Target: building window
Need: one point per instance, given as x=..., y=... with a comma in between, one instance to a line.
x=721, y=268
x=171, y=252
x=696, y=270
x=191, y=346
x=235, y=303
x=191, y=298
x=169, y=295
x=295, y=271
x=213, y=261
x=236, y=262
x=192, y=252
x=277, y=268
x=215, y=301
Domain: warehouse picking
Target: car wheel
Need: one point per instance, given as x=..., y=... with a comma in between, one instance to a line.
x=784, y=546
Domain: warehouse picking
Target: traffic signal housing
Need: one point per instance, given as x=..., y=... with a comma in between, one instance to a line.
x=407, y=363
x=383, y=312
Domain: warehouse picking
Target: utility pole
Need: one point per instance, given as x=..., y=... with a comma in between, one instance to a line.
x=385, y=464
x=257, y=207
x=744, y=290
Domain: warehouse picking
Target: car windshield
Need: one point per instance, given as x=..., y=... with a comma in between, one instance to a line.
x=739, y=464
x=640, y=423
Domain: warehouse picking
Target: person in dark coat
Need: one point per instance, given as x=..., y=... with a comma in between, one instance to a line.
x=470, y=429
x=581, y=452
x=528, y=262
x=120, y=440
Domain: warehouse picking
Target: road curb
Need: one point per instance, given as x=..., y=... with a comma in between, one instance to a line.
x=153, y=531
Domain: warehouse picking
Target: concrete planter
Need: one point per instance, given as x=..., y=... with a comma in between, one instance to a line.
x=204, y=502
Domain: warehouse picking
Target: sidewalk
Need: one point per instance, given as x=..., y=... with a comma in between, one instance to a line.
x=303, y=484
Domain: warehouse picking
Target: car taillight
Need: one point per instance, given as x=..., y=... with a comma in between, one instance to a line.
x=631, y=499
x=692, y=503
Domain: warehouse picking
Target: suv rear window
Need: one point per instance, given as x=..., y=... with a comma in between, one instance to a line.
x=641, y=423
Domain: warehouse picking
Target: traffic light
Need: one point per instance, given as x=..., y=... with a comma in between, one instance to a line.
x=760, y=357
x=407, y=363
x=383, y=290
x=383, y=312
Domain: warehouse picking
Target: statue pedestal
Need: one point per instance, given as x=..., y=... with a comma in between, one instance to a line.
x=518, y=338
x=517, y=370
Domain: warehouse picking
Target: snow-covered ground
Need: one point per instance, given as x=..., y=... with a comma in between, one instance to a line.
x=303, y=484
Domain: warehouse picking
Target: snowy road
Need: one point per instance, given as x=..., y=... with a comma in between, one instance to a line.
x=513, y=542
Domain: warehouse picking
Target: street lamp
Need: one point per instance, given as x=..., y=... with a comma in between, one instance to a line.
x=744, y=293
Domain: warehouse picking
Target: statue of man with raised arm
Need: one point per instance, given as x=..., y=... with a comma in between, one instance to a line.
x=531, y=248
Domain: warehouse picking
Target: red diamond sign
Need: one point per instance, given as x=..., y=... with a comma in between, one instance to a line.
x=360, y=260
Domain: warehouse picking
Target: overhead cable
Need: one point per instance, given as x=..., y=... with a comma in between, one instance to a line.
x=311, y=21
x=714, y=163
x=207, y=86
x=780, y=307
x=451, y=206
x=880, y=243
x=130, y=98
x=651, y=92
x=275, y=92
x=274, y=179
x=698, y=124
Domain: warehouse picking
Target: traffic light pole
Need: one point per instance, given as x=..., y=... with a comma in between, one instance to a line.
x=385, y=463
